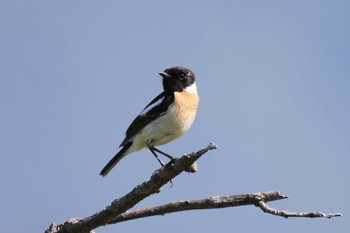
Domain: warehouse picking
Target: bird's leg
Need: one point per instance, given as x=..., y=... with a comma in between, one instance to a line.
x=151, y=148
x=154, y=150
x=161, y=152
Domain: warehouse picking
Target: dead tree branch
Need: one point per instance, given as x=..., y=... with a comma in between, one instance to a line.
x=258, y=199
x=117, y=210
x=140, y=192
x=264, y=207
x=207, y=203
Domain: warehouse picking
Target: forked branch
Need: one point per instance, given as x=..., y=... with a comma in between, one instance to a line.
x=117, y=210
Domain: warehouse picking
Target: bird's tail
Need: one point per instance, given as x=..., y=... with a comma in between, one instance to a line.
x=115, y=159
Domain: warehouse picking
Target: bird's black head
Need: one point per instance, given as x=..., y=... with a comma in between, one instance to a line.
x=177, y=79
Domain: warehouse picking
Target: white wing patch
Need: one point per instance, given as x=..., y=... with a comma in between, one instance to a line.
x=148, y=108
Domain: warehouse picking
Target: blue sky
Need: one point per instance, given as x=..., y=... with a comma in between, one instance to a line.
x=273, y=78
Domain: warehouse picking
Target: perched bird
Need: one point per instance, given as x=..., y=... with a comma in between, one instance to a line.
x=165, y=118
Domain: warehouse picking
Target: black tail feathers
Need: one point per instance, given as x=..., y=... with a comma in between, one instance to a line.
x=115, y=159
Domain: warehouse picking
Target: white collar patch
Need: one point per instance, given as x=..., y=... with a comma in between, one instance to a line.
x=192, y=88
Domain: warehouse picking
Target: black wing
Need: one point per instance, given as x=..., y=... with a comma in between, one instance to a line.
x=157, y=107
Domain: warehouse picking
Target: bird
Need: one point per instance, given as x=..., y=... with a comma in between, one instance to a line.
x=167, y=117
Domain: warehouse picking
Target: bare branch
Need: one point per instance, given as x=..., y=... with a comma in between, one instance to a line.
x=264, y=207
x=258, y=199
x=207, y=203
x=140, y=192
x=116, y=211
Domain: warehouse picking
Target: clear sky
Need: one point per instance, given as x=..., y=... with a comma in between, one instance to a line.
x=274, y=83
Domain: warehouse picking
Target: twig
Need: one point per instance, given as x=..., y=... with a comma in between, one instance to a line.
x=264, y=207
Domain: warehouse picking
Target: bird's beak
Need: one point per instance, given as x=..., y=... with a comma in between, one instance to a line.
x=164, y=75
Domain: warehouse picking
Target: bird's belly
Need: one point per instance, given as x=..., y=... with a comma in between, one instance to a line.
x=167, y=127
x=170, y=126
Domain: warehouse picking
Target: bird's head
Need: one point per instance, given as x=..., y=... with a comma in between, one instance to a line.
x=177, y=79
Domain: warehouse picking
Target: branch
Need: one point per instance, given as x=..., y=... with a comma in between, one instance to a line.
x=258, y=199
x=140, y=192
x=116, y=211
x=207, y=203
x=264, y=207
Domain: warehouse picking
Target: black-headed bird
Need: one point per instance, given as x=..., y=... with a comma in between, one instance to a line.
x=164, y=119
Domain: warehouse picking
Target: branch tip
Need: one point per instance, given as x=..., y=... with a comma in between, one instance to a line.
x=212, y=146
x=286, y=214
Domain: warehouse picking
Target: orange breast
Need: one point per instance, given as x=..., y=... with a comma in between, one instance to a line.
x=186, y=105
